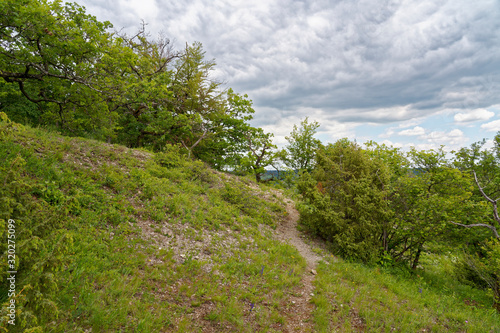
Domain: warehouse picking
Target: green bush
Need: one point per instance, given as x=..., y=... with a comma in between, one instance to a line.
x=171, y=156
x=344, y=200
x=41, y=246
x=486, y=267
x=465, y=273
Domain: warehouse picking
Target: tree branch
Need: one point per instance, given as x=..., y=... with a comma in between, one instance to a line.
x=493, y=202
x=481, y=189
x=492, y=228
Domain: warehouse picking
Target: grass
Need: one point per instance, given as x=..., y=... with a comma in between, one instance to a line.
x=156, y=246
x=355, y=298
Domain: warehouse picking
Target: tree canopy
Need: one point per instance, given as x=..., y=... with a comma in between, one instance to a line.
x=300, y=152
x=61, y=67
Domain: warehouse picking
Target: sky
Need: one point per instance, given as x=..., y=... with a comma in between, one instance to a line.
x=421, y=73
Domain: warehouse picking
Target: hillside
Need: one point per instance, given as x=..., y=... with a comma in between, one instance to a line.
x=111, y=239
x=135, y=240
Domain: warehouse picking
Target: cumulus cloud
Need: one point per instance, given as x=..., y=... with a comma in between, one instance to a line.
x=417, y=130
x=452, y=139
x=389, y=143
x=473, y=115
x=492, y=126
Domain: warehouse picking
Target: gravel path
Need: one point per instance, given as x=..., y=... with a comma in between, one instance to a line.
x=300, y=312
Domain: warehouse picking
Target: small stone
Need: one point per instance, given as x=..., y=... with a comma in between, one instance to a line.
x=183, y=256
x=312, y=295
x=313, y=272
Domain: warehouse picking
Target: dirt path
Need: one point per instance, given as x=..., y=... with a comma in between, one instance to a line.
x=300, y=312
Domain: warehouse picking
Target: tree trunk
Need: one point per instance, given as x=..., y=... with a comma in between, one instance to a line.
x=417, y=257
x=257, y=177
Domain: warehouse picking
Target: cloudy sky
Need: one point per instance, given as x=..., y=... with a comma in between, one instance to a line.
x=405, y=72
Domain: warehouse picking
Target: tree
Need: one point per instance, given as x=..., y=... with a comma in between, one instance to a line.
x=484, y=165
x=376, y=201
x=302, y=146
x=51, y=51
x=226, y=147
x=260, y=152
x=422, y=205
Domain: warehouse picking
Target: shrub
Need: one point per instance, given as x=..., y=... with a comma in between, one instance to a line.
x=344, y=200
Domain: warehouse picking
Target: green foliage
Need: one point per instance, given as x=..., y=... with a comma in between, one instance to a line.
x=353, y=297
x=300, y=152
x=226, y=147
x=424, y=202
x=8, y=127
x=51, y=52
x=465, y=272
x=344, y=200
x=60, y=67
x=16, y=106
x=394, y=158
x=482, y=262
x=170, y=157
x=41, y=244
x=260, y=153
x=378, y=203
x=482, y=268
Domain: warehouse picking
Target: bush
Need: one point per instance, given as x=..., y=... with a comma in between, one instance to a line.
x=172, y=156
x=486, y=266
x=344, y=200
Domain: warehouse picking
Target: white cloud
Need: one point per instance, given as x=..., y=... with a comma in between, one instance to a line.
x=474, y=115
x=330, y=130
x=417, y=130
x=453, y=139
x=492, y=126
x=389, y=143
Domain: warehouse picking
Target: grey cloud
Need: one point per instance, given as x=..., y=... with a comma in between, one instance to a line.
x=367, y=57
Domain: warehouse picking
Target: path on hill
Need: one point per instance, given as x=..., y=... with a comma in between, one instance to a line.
x=300, y=313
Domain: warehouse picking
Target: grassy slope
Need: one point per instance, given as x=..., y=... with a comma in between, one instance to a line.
x=153, y=243
x=159, y=243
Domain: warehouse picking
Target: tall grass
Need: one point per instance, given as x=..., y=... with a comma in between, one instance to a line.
x=353, y=298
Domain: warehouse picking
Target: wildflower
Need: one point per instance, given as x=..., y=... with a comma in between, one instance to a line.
x=251, y=306
x=262, y=271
